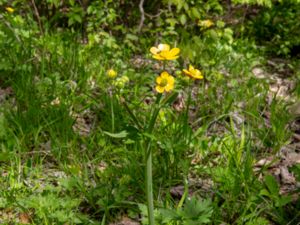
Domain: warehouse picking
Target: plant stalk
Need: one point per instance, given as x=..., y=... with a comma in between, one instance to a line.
x=112, y=112
x=149, y=181
x=149, y=188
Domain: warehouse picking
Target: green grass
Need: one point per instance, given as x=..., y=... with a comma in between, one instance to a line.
x=73, y=144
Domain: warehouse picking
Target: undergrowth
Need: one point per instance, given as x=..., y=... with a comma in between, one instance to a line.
x=75, y=137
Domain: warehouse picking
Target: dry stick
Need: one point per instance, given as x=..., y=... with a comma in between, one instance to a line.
x=142, y=15
x=154, y=16
x=37, y=16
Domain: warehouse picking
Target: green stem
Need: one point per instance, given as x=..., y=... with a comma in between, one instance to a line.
x=149, y=188
x=154, y=114
x=185, y=194
x=186, y=116
x=149, y=181
x=112, y=112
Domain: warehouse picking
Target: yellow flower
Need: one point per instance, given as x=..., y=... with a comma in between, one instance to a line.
x=206, y=23
x=164, y=82
x=111, y=73
x=163, y=52
x=193, y=73
x=9, y=9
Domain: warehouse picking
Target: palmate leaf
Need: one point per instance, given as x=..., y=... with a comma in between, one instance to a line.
x=169, y=215
x=272, y=185
x=196, y=211
x=283, y=201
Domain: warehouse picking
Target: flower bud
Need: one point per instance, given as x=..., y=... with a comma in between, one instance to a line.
x=125, y=79
x=111, y=73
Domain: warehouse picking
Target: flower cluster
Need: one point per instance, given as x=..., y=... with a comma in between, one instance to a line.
x=165, y=81
x=119, y=82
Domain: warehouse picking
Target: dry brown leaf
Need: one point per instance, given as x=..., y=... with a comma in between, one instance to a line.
x=24, y=218
x=259, y=73
x=293, y=158
x=265, y=162
x=125, y=221
x=179, y=104
x=286, y=176
x=177, y=191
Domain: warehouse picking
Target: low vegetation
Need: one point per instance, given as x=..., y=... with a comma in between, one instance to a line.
x=149, y=112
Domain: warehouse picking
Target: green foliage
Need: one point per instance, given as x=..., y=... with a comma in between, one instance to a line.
x=194, y=211
x=267, y=3
x=52, y=207
x=73, y=140
x=277, y=28
x=272, y=192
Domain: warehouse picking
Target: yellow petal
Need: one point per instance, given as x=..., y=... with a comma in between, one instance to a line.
x=158, y=57
x=171, y=80
x=164, y=54
x=174, y=51
x=158, y=80
x=169, y=87
x=191, y=68
x=198, y=73
x=187, y=72
x=165, y=75
x=168, y=55
x=159, y=89
x=154, y=50
x=199, y=77
x=164, y=47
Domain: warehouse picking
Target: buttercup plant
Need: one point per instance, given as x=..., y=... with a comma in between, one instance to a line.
x=164, y=84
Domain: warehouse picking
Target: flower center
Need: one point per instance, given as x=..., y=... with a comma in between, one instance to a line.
x=163, y=82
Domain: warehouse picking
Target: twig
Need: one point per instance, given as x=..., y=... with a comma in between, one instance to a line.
x=154, y=16
x=35, y=152
x=142, y=15
x=37, y=16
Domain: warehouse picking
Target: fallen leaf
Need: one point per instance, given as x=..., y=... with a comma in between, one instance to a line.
x=126, y=221
x=24, y=218
x=286, y=176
